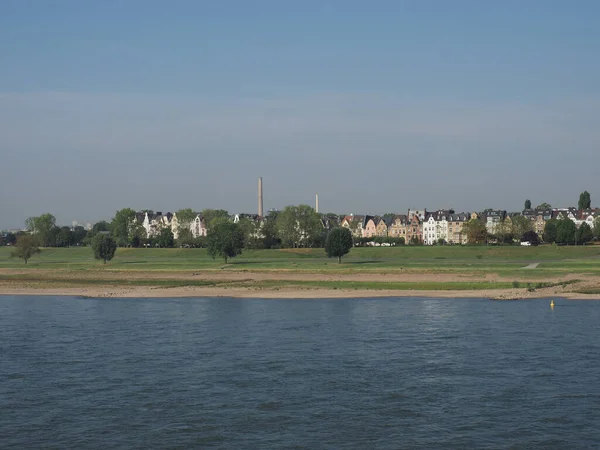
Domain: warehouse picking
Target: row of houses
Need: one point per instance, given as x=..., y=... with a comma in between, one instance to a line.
x=431, y=227
x=417, y=225
x=154, y=222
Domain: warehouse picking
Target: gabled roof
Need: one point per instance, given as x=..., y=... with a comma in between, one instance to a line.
x=460, y=217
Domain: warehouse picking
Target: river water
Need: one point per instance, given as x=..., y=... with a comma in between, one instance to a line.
x=332, y=374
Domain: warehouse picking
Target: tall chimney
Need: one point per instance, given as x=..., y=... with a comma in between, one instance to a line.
x=260, y=197
x=317, y=202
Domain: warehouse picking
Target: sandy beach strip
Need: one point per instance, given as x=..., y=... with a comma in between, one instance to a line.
x=285, y=293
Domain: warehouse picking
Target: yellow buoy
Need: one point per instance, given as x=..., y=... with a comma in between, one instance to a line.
x=552, y=304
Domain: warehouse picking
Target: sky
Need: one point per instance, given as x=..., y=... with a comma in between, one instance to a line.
x=376, y=106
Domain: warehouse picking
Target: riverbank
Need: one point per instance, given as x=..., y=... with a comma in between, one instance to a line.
x=445, y=271
x=285, y=284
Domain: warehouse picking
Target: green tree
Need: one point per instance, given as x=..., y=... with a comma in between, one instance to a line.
x=211, y=216
x=527, y=204
x=520, y=226
x=475, y=231
x=269, y=231
x=503, y=231
x=185, y=238
x=299, y=226
x=585, y=201
x=550, y=231
x=565, y=231
x=78, y=235
x=165, y=238
x=597, y=227
x=253, y=236
x=184, y=218
x=584, y=234
x=225, y=239
x=531, y=237
x=543, y=206
x=25, y=247
x=100, y=226
x=64, y=237
x=41, y=227
x=10, y=239
x=104, y=247
x=338, y=243
x=122, y=226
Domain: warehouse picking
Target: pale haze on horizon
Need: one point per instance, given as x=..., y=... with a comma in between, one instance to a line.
x=377, y=106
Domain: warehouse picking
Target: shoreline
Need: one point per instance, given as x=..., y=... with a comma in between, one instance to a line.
x=144, y=292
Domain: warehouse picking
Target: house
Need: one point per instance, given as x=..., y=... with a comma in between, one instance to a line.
x=153, y=222
x=198, y=226
x=541, y=217
x=354, y=223
x=414, y=230
x=435, y=227
x=420, y=213
x=455, y=228
x=382, y=227
x=429, y=230
x=589, y=216
x=491, y=219
x=398, y=226
x=370, y=228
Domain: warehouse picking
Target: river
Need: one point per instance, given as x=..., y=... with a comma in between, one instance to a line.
x=298, y=374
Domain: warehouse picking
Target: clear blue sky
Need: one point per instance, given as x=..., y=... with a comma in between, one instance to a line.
x=378, y=106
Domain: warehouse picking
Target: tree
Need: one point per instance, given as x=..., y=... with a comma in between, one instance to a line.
x=565, y=231
x=527, y=204
x=41, y=227
x=503, y=231
x=78, y=235
x=225, y=239
x=520, y=226
x=269, y=231
x=100, y=226
x=104, y=247
x=210, y=216
x=299, y=226
x=185, y=238
x=338, y=243
x=122, y=226
x=550, y=231
x=165, y=238
x=10, y=239
x=543, y=206
x=25, y=247
x=584, y=234
x=64, y=237
x=597, y=227
x=531, y=237
x=137, y=234
x=475, y=231
x=184, y=218
x=585, y=201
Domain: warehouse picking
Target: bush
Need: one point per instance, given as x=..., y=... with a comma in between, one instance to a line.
x=516, y=284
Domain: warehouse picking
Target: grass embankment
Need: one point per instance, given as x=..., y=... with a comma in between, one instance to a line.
x=388, y=268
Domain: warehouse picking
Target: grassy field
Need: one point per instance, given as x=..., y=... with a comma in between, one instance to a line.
x=448, y=258
x=481, y=267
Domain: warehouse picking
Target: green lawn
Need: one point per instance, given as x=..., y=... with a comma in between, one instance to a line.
x=503, y=260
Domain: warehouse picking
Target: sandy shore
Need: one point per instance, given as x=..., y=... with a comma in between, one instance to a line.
x=288, y=293
x=246, y=284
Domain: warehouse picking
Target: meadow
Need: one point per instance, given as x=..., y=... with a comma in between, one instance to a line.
x=437, y=268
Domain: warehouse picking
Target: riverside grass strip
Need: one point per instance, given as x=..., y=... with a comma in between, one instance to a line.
x=394, y=259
